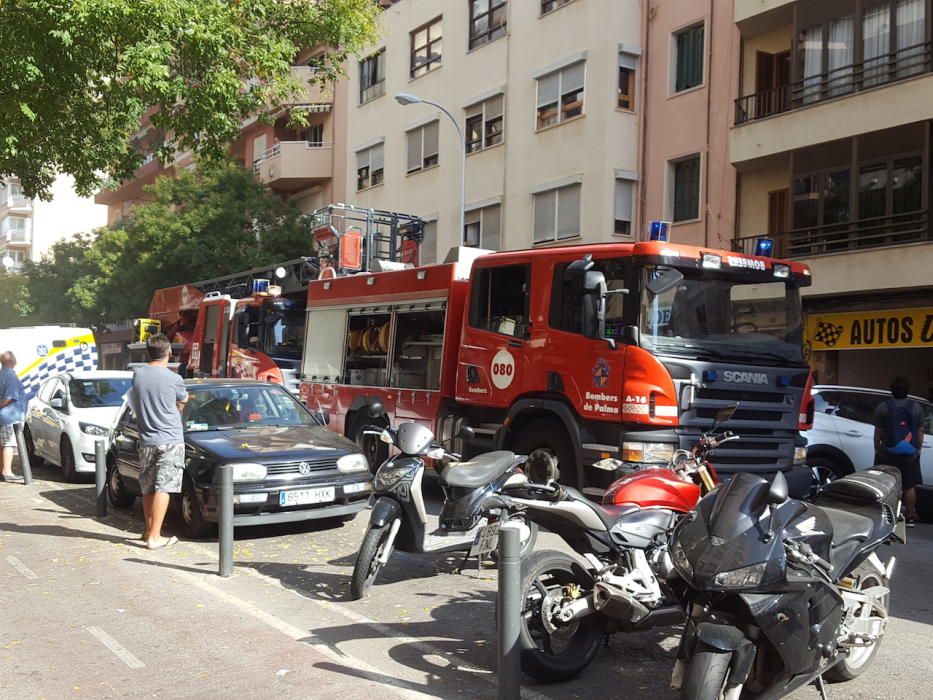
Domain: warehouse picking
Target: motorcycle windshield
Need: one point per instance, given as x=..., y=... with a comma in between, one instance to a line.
x=738, y=506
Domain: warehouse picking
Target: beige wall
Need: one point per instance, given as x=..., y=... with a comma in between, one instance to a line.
x=692, y=121
x=590, y=148
x=749, y=9
x=895, y=268
x=774, y=41
x=753, y=192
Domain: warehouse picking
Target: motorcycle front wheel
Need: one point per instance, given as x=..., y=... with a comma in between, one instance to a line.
x=706, y=674
x=554, y=651
x=368, y=562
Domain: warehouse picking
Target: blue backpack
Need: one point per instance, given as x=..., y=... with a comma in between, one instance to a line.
x=902, y=431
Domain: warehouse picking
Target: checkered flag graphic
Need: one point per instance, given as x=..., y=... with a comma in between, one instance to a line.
x=78, y=358
x=827, y=333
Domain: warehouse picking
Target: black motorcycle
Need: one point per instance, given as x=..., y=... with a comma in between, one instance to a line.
x=783, y=592
x=466, y=522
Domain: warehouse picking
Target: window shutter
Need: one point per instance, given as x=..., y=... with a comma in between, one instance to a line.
x=625, y=191
x=627, y=60
x=427, y=254
x=430, y=139
x=375, y=157
x=474, y=110
x=547, y=89
x=362, y=158
x=568, y=211
x=494, y=107
x=572, y=78
x=491, y=224
x=544, y=216
x=414, y=149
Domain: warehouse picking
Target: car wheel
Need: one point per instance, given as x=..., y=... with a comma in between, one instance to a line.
x=69, y=471
x=34, y=459
x=826, y=470
x=117, y=493
x=189, y=508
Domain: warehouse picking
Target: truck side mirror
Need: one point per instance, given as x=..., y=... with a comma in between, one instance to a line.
x=466, y=432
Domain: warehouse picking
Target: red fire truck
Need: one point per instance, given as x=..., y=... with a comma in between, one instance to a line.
x=623, y=350
x=251, y=324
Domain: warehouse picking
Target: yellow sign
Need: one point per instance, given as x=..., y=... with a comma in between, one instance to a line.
x=870, y=330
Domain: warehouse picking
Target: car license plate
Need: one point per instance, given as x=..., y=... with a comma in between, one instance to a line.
x=306, y=496
x=487, y=539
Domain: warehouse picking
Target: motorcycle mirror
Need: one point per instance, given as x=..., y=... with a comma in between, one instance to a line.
x=778, y=491
x=725, y=413
x=376, y=409
x=466, y=432
x=386, y=437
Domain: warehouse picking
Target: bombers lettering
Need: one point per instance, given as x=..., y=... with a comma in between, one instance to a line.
x=735, y=261
x=744, y=377
x=590, y=396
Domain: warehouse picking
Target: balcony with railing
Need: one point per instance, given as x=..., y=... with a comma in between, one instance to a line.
x=850, y=236
x=293, y=165
x=16, y=231
x=881, y=70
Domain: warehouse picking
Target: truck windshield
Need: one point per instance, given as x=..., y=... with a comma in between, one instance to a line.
x=715, y=315
x=284, y=333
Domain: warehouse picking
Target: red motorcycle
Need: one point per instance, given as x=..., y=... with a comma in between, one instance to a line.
x=624, y=579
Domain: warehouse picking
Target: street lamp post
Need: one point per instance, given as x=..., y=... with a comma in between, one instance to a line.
x=404, y=98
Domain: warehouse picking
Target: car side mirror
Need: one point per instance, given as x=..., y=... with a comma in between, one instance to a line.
x=321, y=416
x=57, y=403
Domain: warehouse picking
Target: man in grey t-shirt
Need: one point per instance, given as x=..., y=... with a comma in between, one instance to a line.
x=158, y=398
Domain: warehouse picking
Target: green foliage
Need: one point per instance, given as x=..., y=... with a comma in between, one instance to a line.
x=14, y=300
x=199, y=225
x=78, y=76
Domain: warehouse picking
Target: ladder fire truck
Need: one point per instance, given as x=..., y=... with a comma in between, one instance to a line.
x=616, y=350
x=251, y=324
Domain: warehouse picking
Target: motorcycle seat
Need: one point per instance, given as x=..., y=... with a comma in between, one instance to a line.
x=479, y=471
x=609, y=514
x=881, y=484
x=850, y=531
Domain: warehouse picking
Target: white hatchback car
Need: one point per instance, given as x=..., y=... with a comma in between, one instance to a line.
x=69, y=413
x=842, y=439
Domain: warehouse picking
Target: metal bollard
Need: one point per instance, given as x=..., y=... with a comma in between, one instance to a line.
x=23, y=454
x=100, y=477
x=225, y=529
x=509, y=611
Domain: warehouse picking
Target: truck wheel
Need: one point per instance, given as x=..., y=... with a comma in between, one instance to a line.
x=548, y=436
x=375, y=451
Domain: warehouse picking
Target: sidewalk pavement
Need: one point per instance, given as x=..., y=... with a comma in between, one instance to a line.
x=86, y=611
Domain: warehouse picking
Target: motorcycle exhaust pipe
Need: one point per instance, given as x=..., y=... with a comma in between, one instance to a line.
x=616, y=603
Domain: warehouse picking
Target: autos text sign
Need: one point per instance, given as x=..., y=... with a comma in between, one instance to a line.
x=871, y=330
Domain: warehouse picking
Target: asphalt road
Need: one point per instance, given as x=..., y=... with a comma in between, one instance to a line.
x=426, y=630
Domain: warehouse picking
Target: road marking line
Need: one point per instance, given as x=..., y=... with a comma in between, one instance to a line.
x=118, y=649
x=22, y=568
x=370, y=673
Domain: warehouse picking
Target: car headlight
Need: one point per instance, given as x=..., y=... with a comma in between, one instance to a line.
x=800, y=455
x=388, y=476
x=247, y=471
x=647, y=452
x=741, y=578
x=352, y=463
x=679, y=557
x=91, y=429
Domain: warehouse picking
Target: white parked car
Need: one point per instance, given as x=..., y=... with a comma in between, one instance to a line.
x=842, y=439
x=70, y=412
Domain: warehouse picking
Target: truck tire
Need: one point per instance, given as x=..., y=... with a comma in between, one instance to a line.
x=549, y=436
x=375, y=451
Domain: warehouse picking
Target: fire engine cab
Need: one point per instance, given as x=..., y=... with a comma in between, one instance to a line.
x=622, y=350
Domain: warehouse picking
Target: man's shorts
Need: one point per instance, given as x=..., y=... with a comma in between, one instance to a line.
x=909, y=467
x=7, y=436
x=161, y=468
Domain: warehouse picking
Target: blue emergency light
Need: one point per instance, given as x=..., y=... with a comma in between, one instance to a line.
x=764, y=247
x=659, y=231
x=260, y=286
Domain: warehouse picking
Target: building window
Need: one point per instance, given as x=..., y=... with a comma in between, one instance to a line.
x=373, y=76
x=426, y=48
x=487, y=21
x=560, y=95
x=481, y=227
x=422, y=147
x=427, y=251
x=686, y=190
x=688, y=63
x=623, y=206
x=499, y=300
x=484, y=124
x=314, y=136
x=557, y=214
x=369, y=167
x=551, y=5
x=626, y=88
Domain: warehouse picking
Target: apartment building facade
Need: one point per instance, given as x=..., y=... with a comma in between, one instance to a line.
x=546, y=94
x=29, y=226
x=832, y=147
x=304, y=164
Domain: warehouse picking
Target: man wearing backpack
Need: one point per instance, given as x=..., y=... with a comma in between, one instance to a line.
x=898, y=437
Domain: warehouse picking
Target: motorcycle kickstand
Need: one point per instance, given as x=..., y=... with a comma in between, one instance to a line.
x=466, y=557
x=821, y=687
